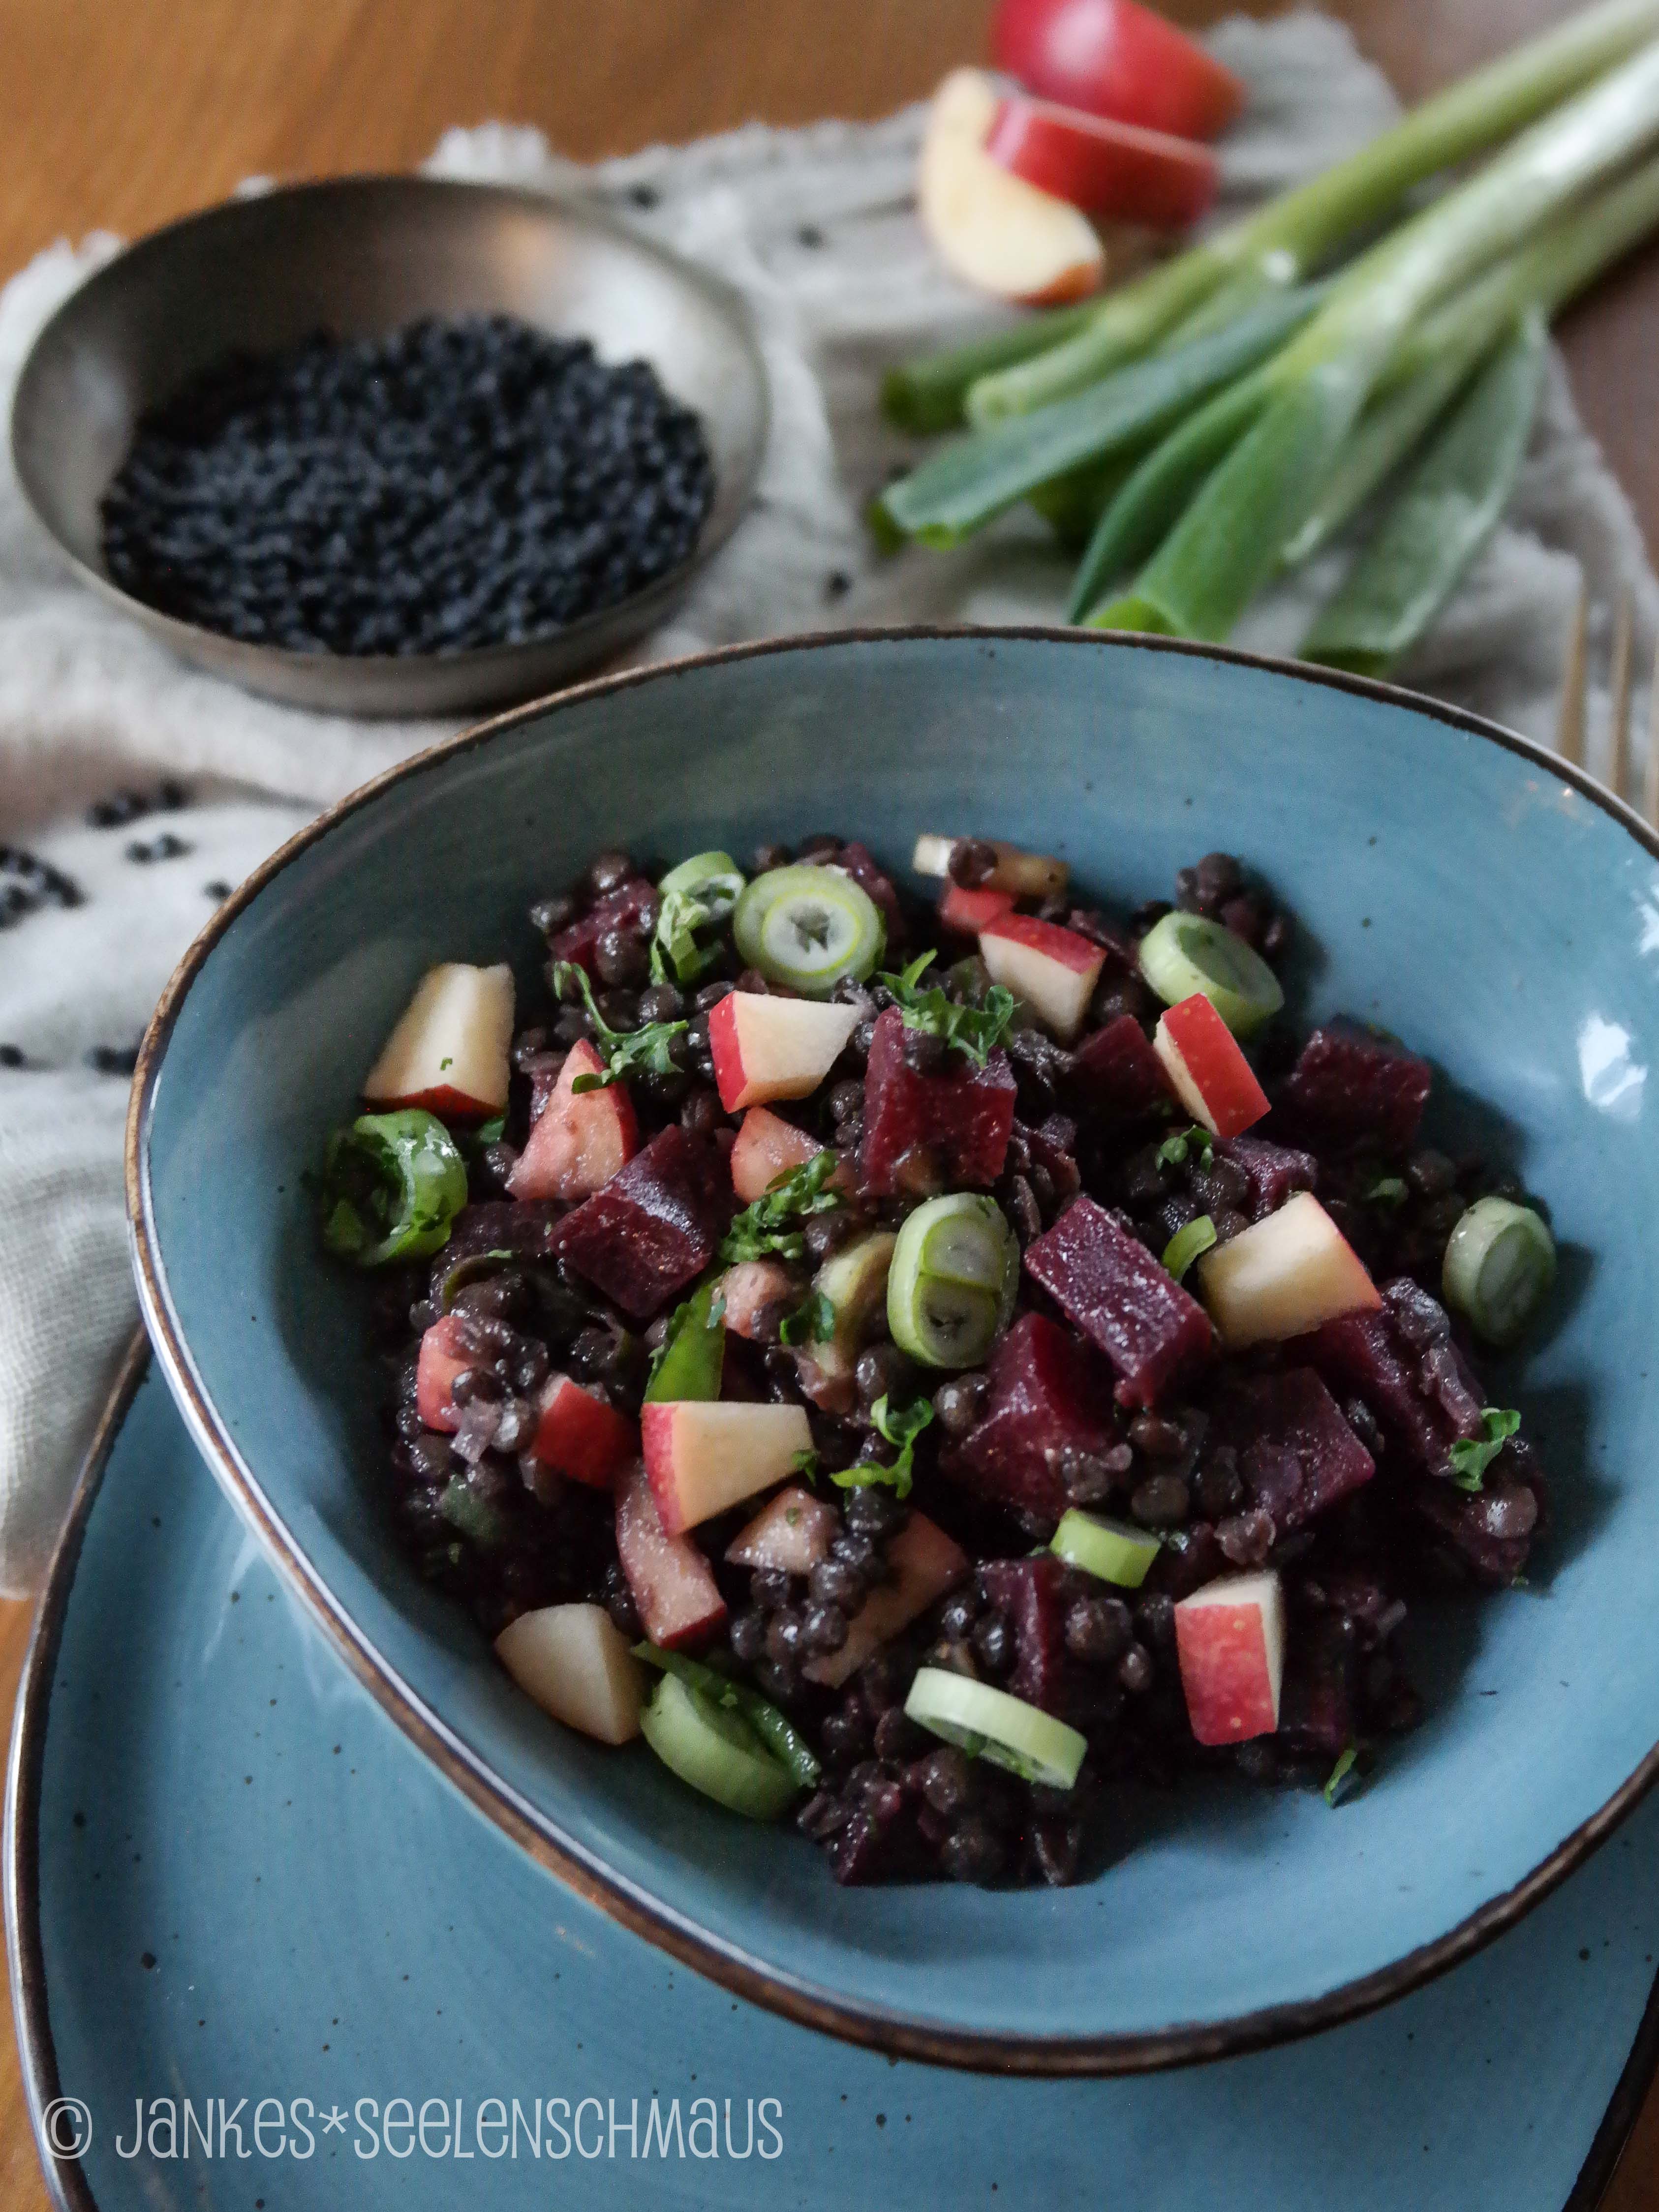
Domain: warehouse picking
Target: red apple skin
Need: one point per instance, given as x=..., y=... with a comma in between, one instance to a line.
x=967, y=912
x=671, y=1583
x=582, y=1437
x=1193, y=1038
x=579, y=1139
x=1117, y=59
x=1112, y=171
x=1068, y=946
x=441, y=1359
x=672, y=1444
x=738, y=1044
x=1226, y=1671
x=767, y=1147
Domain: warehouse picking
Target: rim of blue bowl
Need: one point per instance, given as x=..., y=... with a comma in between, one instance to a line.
x=25, y=1946
x=909, y=2036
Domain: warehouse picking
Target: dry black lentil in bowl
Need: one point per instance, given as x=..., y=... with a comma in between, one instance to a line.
x=454, y=484
x=913, y=1363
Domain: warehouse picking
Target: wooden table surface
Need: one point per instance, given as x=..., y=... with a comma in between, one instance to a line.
x=123, y=116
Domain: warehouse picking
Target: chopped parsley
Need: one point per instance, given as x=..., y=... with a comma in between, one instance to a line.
x=1387, y=1190
x=767, y=1226
x=901, y=1429
x=1173, y=1152
x=1340, y=1773
x=646, y=1051
x=676, y=955
x=976, y=1030
x=806, y=1465
x=1472, y=1455
x=813, y=1320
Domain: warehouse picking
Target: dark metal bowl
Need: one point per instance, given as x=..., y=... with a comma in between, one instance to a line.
x=360, y=256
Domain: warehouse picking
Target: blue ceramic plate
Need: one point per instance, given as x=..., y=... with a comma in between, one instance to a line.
x=230, y=1877
x=1455, y=883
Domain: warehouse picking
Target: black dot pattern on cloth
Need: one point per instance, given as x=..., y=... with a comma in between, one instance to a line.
x=453, y=485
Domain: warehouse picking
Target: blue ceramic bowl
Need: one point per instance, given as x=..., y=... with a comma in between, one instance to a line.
x=1453, y=882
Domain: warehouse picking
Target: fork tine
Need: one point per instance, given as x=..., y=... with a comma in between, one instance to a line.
x=1569, y=732
x=1651, y=779
x=1619, y=757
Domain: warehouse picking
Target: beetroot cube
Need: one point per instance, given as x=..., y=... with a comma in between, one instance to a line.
x=1108, y=1285
x=1272, y=1171
x=654, y=1227
x=1351, y=1086
x=1491, y=1528
x=629, y=903
x=1031, y=1595
x=1048, y=1395
x=1297, y=1453
x=1117, y=1074
x=1361, y=1354
x=923, y=1133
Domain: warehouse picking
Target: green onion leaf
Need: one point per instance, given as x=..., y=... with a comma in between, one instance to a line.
x=1340, y=1773
x=767, y=1226
x=690, y=1361
x=1387, y=1190
x=1472, y=1455
x=391, y=1184
x=1188, y=1244
x=976, y=1030
x=647, y=1051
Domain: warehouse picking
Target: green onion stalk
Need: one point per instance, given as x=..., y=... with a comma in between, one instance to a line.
x=1227, y=541
x=1437, y=358
x=1304, y=228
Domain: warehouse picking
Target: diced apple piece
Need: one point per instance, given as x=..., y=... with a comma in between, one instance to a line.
x=855, y=1281
x=1113, y=171
x=1021, y=874
x=790, y=1534
x=1230, y=1639
x=969, y=912
x=1284, y=1276
x=441, y=1359
x=671, y=1583
x=574, y=1661
x=923, y=1563
x=582, y=1436
x=990, y=229
x=765, y=1048
x=748, y=1289
x=1212, y=1078
x=767, y=1147
x=448, y=1051
x=702, y=1456
x=579, y=1139
x=1054, y=969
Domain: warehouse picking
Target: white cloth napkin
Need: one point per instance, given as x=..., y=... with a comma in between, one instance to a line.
x=817, y=229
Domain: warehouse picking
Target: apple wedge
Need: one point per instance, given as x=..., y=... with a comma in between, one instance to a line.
x=922, y=1563
x=671, y=1583
x=749, y=1289
x=579, y=1139
x=1054, y=969
x=1115, y=172
x=1284, y=1276
x=790, y=1534
x=574, y=1661
x=441, y=1359
x=448, y=1051
x=703, y=1455
x=765, y=1048
x=1212, y=1078
x=581, y=1436
x=969, y=912
x=1230, y=1642
x=990, y=229
x=767, y=1147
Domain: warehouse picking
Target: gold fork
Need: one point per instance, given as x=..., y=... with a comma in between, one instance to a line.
x=1569, y=735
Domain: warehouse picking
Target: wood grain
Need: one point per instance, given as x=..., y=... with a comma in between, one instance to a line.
x=122, y=117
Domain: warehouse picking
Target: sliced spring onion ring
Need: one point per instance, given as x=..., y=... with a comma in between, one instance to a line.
x=781, y=1737
x=1499, y=1265
x=1185, y=953
x=713, y=1748
x=989, y=1723
x=1113, y=1550
x=952, y=1285
x=714, y=879
x=392, y=1185
x=809, y=928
